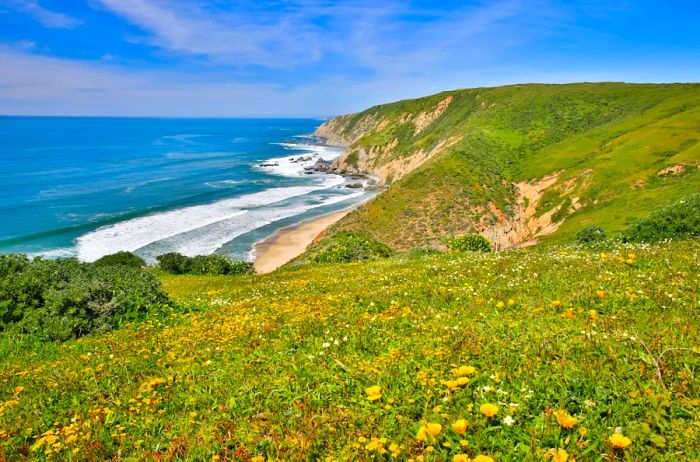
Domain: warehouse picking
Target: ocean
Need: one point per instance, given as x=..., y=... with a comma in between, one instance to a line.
x=88, y=187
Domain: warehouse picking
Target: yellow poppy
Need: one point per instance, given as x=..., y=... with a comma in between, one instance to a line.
x=374, y=393
x=566, y=420
x=619, y=440
x=489, y=410
x=460, y=426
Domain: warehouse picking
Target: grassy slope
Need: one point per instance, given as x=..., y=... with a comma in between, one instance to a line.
x=278, y=365
x=610, y=140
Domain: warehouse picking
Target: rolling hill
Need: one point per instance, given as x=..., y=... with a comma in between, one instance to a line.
x=520, y=163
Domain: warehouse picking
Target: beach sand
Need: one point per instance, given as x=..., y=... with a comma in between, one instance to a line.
x=291, y=241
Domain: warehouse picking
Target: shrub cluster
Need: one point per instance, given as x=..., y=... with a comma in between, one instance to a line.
x=61, y=299
x=591, y=234
x=677, y=221
x=176, y=263
x=349, y=246
x=468, y=243
x=121, y=258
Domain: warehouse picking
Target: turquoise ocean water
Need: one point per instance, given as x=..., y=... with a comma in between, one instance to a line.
x=88, y=187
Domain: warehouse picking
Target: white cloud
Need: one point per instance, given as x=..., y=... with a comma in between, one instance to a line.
x=191, y=28
x=32, y=84
x=46, y=17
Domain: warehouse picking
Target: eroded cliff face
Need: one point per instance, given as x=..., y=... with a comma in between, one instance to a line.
x=522, y=226
x=380, y=161
x=518, y=163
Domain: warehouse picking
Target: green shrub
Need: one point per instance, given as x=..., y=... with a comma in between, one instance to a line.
x=61, y=299
x=468, y=243
x=121, y=258
x=218, y=264
x=677, y=221
x=591, y=234
x=349, y=246
x=176, y=263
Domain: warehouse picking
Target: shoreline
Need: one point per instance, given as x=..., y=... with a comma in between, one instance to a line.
x=291, y=241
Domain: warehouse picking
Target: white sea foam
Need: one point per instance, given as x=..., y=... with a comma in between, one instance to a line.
x=202, y=229
x=295, y=165
x=139, y=232
x=61, y=252
x=207, y=239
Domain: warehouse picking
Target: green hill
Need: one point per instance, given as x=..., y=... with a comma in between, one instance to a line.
x=521, y=163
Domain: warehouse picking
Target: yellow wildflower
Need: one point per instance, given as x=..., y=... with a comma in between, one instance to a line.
x=463, y=371
x=556, y=303
x=422, y=434
x=500, y=305
x=600, y=294
x=483, y=459
x=564, y=419
x=619, y=441
x=374, y=393
x=488, y=409
x=593, y=314
x=433, y=429
x=450, y=384
x=557, y=455
x=460, y=458
x=462, y=381
x=460, y=426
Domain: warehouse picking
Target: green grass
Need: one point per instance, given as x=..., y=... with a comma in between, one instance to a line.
x=278, y=365
x=607, y=142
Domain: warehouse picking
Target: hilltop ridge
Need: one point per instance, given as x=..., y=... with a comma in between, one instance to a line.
x=520, y=163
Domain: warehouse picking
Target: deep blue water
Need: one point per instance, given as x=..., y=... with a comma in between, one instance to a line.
x=93, y=186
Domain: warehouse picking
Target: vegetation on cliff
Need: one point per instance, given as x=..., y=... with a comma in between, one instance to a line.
x=522, y=162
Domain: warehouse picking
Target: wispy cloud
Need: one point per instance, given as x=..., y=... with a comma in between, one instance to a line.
x=312, y=57
x=46, y=17
x=201, y=29
x=390, y=36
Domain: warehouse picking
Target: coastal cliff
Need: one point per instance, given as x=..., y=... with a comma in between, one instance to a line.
x=519, y=163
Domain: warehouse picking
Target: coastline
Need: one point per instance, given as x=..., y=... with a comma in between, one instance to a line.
x=290, y=242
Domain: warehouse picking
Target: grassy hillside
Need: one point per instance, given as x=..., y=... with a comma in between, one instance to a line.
x=392, y=359
x=609, y=153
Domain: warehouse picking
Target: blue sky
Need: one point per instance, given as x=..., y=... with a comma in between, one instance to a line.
x=298, y=58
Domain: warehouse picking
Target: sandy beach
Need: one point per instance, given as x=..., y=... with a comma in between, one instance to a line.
x=291, y=241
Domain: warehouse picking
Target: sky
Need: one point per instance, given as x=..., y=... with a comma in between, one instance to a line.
x=317, y=58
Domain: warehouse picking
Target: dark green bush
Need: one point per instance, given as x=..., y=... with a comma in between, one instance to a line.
x=121, y=258
x=176, y=263
x=468, y=243
x=591, y=234
x=218, y=264
x=677, y=221
x=61, y=299
x=349, y=246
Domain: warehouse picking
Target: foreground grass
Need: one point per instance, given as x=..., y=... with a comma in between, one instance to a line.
x=286, y=366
